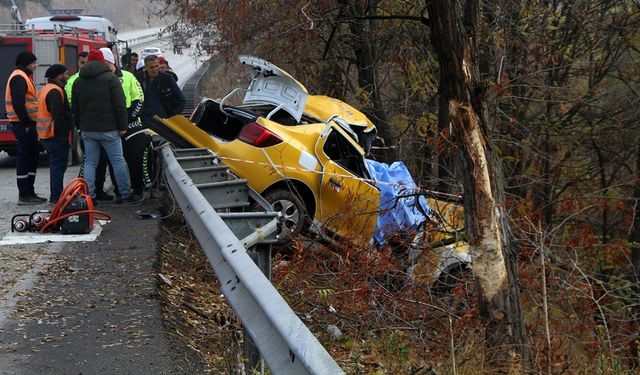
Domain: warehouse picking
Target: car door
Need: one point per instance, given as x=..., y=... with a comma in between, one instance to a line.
x=348, y=202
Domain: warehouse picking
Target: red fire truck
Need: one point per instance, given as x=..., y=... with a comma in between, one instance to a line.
x=59, y=44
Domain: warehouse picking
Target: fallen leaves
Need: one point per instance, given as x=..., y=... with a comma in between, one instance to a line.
x=193, y=306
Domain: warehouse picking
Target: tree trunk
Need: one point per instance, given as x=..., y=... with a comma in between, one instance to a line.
x=366, y=58
x=453, y=34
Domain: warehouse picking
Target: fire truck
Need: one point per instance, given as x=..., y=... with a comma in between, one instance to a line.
x=56, y=41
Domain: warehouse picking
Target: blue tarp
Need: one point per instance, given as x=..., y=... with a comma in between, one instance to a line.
x=397, y=215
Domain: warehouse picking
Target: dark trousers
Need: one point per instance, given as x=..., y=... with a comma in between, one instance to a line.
x=27, y=157
x=101, y=174
x=58, y=151
x=137, y=153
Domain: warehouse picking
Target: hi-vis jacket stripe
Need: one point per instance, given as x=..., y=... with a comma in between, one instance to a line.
x=31, y=98
x=45, y=125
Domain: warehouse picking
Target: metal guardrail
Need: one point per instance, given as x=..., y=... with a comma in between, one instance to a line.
x=192, y=88
x=143, y=38
x=285, y=343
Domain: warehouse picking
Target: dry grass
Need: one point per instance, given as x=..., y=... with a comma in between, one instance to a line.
x=393, y=324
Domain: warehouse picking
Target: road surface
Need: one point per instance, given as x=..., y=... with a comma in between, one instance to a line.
x=21, y=264
x=183, y=64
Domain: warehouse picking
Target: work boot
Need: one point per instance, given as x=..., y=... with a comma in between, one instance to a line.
x=36, y=196
x=30, y=200
x=102, y=196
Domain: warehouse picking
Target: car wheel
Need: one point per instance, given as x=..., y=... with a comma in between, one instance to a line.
x=292, y=211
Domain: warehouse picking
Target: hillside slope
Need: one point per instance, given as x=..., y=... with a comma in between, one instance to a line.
x=126, y=15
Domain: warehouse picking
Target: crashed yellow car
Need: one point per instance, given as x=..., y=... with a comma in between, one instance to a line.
x=305, y=154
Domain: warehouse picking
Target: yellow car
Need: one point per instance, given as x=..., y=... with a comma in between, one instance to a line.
x=305, y=154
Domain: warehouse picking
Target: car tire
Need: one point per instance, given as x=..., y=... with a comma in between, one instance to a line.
x=292, y=210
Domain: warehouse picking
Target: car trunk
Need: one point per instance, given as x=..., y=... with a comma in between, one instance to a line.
x=222, y=123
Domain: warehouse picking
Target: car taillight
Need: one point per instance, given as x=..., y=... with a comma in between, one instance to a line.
x=258, y=136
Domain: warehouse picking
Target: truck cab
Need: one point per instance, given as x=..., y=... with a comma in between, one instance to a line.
x=54, y=41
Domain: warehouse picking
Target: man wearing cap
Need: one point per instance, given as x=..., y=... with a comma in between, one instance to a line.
x=21, y=104
x=99, y=111
x=101, y=170
x=53, y=126
x=165, y=68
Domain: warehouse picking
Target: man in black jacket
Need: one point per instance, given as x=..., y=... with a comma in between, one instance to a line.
x=100, y=113
x=54, y=123
x=162, y=96
x=21, y=104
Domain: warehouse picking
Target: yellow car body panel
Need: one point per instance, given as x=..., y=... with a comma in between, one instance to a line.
x=187, y=130
x=325, y=107
x=264, y=167
x=349, y=205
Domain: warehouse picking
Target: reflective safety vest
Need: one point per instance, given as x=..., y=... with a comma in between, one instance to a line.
x=69, y=85
x=45, y=124
x=30, y=100
x=132, y=89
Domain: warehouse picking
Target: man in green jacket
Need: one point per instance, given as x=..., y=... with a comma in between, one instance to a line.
x=82, y=61
x=99, y=110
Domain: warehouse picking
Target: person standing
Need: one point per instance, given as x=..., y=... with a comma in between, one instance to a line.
x=99, y=111
x=162, y=96
x=21, y=104
x=165, y=68
x=101, y=170
x=137, y=143
x=53, y=125
x=133, y=62
x=83, y=57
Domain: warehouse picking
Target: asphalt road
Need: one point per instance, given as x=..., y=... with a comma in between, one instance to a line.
x=89, y=307
x=184, y=64
x=85, y=307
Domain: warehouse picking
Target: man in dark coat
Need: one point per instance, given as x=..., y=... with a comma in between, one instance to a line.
x=100, y=113
x=54, y=124
x=21, y=104
x=162, y=96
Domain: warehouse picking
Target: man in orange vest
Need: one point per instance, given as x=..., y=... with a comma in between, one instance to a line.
x=53, y=125
x=21, y=103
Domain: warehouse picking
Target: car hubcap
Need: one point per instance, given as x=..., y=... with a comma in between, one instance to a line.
x=290, y=214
